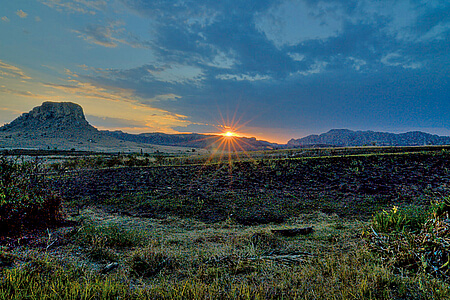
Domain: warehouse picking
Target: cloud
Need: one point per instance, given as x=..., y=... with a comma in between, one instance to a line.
x=5, y=19
x=29, y=94
x=116, y=123
x=93, y=91
x=395, y=59
x=242, y=77
x=12, y=71
x=110, y=36
x=293, y=22
x=77, y=6
x=99, y=35
x=37, y=19
x=21, y=13
x=121, y=101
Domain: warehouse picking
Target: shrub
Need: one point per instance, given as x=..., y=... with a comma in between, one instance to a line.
x=150, y=262
x=25, y=199
x=397, y=219
x=422, y=247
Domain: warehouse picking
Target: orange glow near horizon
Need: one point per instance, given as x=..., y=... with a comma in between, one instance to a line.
x=230, y=134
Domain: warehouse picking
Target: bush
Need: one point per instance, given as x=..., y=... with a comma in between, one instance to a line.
x=150, y=262
x=397, y=219
x=25, y=199
x=414, y=239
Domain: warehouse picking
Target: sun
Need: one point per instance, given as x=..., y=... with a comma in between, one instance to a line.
x=230, y=134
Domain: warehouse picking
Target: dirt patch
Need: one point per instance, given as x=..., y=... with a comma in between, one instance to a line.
x=348, y=186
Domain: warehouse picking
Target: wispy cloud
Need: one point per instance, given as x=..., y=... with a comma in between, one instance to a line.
x=77, y=6
x=395, y=59
x=21, y=13
x=5, y=19
x=37, y=19
x=243, y=77
x=92, y=91
x=29, y=94
x=15, y=111
x=8, y=70
x=122, y=100
x=110, y=36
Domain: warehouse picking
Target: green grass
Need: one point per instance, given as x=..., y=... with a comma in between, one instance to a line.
x=110, y=235
x=180, y=257
x=356, y=275
x=414, y=239
x=399, y=219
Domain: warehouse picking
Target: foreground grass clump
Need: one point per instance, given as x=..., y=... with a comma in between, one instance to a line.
x=414, y=239
x=338, y=276
x=100, y=240
x=25, y=199
x=47, y=279
x=111, y=235
x=151, y=261
x=411, y=218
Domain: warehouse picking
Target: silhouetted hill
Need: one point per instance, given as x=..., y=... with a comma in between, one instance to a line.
x=194, y=140
x=52, y=119
x=345, y=137
x=62, y=125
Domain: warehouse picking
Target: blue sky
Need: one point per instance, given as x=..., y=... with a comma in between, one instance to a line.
x=281, y=69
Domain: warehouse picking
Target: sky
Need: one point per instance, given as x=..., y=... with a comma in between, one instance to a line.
x=271, y=69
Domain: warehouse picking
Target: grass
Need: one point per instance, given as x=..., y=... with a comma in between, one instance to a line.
x=393, y=255
x=357, y=275
x=399, y=219
x=413, y=239
x=178, y=258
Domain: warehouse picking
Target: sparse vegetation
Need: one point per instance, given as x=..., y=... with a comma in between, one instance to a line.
x=201, y=232
x=25, y=200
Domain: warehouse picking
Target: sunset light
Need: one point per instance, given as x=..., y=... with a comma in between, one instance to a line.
x=230, y=134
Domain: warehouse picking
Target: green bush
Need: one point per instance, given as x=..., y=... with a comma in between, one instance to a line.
x=398, y=219
x=150, y=262
x=25, y=198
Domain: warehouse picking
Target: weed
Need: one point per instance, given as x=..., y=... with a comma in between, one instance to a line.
x=398, y=219
x=107, y=235
x=151, y=261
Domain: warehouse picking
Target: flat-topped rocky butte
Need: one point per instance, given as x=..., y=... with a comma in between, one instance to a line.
x=53, y=119
x=63, y=126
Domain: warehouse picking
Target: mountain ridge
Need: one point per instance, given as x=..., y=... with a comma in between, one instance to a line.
x=63, y=125
x=346, y=137
x=195, y=140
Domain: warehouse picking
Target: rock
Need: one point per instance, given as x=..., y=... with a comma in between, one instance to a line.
x=109, y=267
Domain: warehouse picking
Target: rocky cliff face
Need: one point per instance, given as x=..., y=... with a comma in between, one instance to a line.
x=60, y=125
x=52, y=118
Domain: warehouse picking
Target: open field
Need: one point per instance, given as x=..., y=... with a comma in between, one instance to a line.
x=206, y=228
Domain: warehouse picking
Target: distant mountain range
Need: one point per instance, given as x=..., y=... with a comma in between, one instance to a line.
x=194, y=140
x=345, y=137
x=62, y=125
